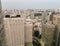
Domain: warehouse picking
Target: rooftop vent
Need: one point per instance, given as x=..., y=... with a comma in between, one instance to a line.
x=7, y=16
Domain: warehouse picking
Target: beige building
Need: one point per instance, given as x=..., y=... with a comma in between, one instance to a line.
x=48, y=34
x=56, y=19
x=28, y=30
x=14, y=31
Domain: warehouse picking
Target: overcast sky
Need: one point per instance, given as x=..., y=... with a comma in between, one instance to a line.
x=30, y=4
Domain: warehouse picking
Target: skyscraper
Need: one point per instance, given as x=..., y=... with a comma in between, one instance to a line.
x=1, y=16
x=14, y=31
x=1, y=25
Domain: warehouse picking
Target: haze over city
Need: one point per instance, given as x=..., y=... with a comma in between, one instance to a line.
x=30, y=4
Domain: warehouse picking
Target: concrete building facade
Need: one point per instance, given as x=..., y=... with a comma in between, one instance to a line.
x=14, y=31
x=1, y=26
x=28, y=31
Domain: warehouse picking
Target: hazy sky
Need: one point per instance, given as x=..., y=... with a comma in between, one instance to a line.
x=33, y=4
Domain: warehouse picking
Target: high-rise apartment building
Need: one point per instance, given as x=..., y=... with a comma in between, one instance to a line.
x=48, y=34
x=14, y=31
x=56, y=21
